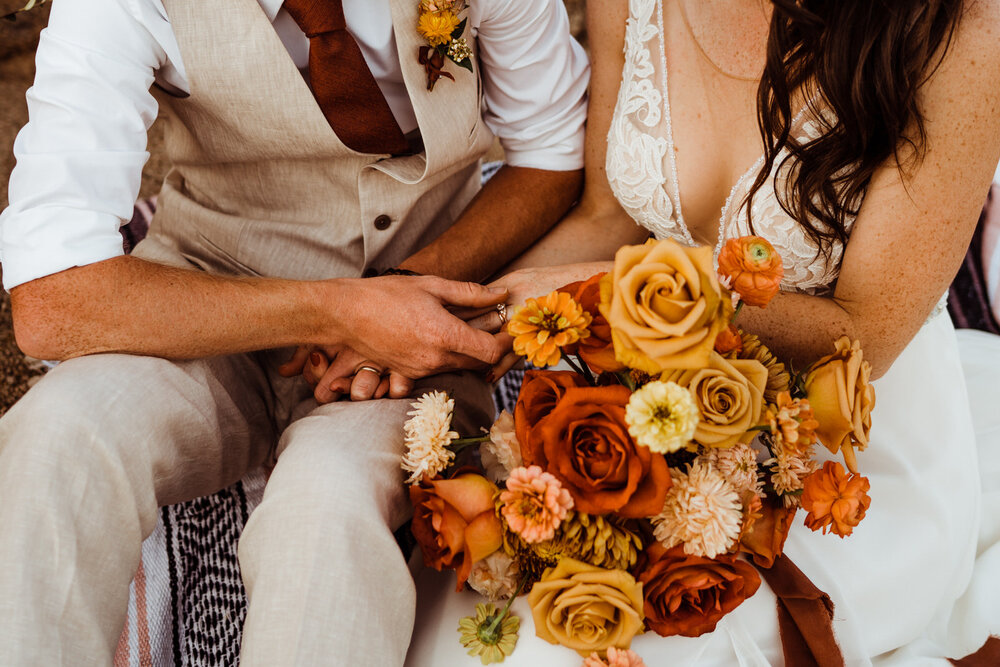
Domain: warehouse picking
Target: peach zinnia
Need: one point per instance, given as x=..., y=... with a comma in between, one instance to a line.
x=544, y=326
x=835, y=501
x=754, y=268
x=534, y=504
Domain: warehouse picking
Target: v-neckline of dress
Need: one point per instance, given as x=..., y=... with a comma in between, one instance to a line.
x=725, y=212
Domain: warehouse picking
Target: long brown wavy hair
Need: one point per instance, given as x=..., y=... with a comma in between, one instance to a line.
x=866, y=61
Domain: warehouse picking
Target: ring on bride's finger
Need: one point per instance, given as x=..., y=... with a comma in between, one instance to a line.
x=502, y=310
x=370, y=369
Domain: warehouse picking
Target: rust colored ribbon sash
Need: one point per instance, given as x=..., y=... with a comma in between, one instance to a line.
x=342, y=83
x=805, y=617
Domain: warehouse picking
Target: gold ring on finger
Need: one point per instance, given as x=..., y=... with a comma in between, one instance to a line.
x=370, y=369
x=502, y=311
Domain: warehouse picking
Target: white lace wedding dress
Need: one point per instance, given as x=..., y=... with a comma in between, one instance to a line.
x=920, y=577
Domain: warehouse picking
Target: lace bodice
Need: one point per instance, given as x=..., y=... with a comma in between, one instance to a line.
x=642, y=169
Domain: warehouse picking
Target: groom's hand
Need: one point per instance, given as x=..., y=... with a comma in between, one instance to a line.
x=403, y=324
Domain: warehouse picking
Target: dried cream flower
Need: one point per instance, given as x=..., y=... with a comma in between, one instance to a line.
x=662, y=416
x=428, y=434
x=702, y=511
x=494, y=577
x=789, y=472
x=502, y=452
x=738, y=465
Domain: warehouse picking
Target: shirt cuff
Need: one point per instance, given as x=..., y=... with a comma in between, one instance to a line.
x=47, y=240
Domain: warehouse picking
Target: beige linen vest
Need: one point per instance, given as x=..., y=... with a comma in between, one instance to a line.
x=261, y=185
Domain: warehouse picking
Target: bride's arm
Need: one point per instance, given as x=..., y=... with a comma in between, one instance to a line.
x=913, y=229
x=585, y=241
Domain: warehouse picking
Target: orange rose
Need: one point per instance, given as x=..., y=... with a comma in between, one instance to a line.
x=540, y=391
x=584, y=442
x=835, y=501
x=842, y=399
x=765, y=538
x=687, y=595
x=586, y=608
x=729, y=395
x=455, y=522
x=665, y=306
x=597, y=349
x=754, y=268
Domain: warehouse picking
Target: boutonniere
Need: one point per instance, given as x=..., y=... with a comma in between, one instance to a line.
x=440, y=26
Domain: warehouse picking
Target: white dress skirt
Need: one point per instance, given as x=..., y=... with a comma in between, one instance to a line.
x=918, y=581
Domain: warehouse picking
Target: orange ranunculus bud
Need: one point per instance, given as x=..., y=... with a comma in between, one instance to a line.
x=687, y=595
x=842, y=399
x=455, y=522
x=765, y=539
x=729, y=341
x=597, y=349
x=584, y=442
x=835, y=500
x=754, y=268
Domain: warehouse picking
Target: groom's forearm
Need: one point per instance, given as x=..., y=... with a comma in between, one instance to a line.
x=512, y=211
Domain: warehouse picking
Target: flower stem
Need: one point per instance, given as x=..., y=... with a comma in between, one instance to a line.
x=736, y=312
x=498, y=619
x=586, y=371
x=460, y=444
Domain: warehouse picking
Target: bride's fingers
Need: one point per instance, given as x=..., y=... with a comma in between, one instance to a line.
x=366, y=382
x=491, y=322
x=294, y=366
x=469, y=313
x=509, y=362
x=399, y=386
x=315, y=367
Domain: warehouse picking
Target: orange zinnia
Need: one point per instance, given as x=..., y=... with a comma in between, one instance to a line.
x=754, y=268
x=544, y=326
x=835, y=501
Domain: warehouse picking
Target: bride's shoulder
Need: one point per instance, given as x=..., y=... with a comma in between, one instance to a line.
x=970, y=68
x=977, y=32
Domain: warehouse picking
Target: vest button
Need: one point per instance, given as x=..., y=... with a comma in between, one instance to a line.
x=382, y=222
x=370, y=272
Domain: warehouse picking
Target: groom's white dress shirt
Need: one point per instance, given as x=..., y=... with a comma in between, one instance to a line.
x=80, y=157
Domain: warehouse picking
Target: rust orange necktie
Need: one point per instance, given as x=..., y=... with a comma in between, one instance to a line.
x=341, y=81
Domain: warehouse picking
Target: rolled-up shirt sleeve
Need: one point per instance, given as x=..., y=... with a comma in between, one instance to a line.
x=80, y=157
x=535, y=79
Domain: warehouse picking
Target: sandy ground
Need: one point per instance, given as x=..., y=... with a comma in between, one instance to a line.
x=17, y=43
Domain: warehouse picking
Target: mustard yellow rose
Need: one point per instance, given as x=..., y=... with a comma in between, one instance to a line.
x=842, y=399
x=665, y=306
x=586, y=608
x=729, y=395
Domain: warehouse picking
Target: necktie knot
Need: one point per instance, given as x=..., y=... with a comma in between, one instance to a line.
x=316, y=17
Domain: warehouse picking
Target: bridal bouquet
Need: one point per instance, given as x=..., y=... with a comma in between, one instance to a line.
x=633, y=492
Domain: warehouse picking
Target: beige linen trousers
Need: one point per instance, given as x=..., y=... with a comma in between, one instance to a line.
x=260, y=185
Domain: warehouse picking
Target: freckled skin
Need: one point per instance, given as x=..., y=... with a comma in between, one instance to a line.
x=912, y=230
